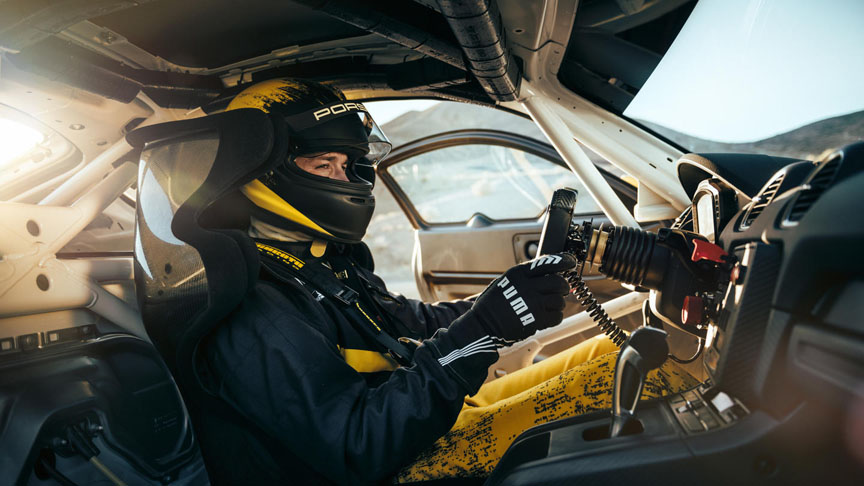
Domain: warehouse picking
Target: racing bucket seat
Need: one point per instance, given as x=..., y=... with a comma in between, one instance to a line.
x=194, y=262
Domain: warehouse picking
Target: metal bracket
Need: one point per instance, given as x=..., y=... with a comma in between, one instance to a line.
x=650, y=206
x=33, y=280
x=544, y=114
x=623, y=144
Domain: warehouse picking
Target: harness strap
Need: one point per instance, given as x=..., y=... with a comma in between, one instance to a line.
x=287, y=267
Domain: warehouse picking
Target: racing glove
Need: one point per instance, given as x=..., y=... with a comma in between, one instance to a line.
x=527, y=298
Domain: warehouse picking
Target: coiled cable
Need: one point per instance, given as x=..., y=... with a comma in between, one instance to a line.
x=586, y=298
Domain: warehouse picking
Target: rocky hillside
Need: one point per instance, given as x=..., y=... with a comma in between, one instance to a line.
x=446, y=116
x=807, y=142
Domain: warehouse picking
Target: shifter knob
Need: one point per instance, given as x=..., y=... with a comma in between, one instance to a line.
x=646, y=349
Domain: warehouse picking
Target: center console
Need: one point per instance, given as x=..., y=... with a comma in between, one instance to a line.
x=683, y=438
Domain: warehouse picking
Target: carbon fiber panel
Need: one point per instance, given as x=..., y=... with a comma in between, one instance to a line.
x=171, y=283
x=744, y=321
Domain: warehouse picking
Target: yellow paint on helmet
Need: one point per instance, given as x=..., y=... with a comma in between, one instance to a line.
x=263, y=96
x=264, y=198
x=267, y=93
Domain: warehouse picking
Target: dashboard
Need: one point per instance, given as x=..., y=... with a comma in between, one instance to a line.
x=797, y=241
x=784, y=344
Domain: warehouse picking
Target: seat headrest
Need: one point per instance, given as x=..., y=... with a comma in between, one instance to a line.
x=191, y=267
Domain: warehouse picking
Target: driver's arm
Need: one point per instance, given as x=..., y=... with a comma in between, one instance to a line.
x=277, y=363
x=420, y=318
x=278, y=366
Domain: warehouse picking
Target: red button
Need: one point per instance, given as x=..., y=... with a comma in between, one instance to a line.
x=705, y=250
x=691, y=311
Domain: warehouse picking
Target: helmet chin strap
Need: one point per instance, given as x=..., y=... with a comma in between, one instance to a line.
x=318, y=248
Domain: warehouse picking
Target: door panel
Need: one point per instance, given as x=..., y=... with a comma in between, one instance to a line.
x=476, y=199
x=525, y=246
x=455, y=261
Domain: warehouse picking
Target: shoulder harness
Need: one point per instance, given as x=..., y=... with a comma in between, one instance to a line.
x=287, y=267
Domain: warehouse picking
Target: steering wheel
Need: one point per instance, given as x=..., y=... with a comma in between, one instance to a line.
x=558, y=218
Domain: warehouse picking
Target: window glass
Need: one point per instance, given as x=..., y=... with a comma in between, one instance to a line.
x=407, y=120
x=32, y=157
x=452, y=184
x=390, y=235
x=743, y=77
x=391, y=239
x=16, y=140
x=404, y=121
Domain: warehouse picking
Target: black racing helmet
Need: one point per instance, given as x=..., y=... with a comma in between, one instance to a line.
x=319, y=120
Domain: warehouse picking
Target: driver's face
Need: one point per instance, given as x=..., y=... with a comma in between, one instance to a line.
x=331, y=165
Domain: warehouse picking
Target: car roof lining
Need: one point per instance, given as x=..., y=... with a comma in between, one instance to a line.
x=212, y=33
x=207, y=38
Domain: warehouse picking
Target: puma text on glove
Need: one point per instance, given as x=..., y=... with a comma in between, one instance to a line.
x=527, y=298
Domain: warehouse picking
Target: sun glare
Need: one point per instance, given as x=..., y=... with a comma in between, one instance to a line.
x=16, y=139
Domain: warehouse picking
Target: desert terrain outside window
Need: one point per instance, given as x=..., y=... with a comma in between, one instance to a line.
x=390, y=235
x=452, y=184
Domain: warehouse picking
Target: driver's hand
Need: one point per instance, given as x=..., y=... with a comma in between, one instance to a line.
x=527, y=298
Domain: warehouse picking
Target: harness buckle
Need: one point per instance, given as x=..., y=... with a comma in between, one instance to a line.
x=346, y=295
x=413, y=343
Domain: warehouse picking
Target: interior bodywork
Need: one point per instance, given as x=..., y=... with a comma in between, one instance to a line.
x=780, y=355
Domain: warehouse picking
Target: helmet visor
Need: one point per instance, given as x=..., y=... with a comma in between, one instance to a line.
x=379, y=144
x=340, y=127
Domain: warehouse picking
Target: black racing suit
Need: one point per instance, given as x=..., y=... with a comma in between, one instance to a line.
x=284, y=358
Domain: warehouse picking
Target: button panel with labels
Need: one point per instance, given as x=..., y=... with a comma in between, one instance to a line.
x=696, y=413
x=41, y=340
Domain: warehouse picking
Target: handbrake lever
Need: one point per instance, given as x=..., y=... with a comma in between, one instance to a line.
x=646, y=349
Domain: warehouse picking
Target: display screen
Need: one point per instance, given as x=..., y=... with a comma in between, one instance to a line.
x=705, y=216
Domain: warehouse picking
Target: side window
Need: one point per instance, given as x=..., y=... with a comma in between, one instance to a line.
x=451, y=184
x=34, y=158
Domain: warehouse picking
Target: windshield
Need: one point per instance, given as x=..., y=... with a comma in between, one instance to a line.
x=767, y=76
x=16, y=140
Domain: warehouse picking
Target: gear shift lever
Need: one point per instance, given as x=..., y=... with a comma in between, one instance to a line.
x=645, y=350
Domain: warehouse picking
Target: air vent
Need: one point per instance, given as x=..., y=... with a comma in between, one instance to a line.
x=762, y=200
x=818, y=183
